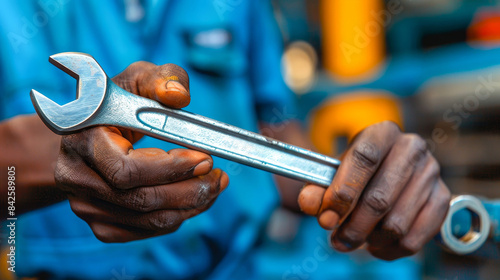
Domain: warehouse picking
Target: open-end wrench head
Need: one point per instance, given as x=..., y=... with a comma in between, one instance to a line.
x=90, y=92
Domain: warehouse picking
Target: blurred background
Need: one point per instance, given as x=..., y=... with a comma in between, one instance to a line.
x=432, y=66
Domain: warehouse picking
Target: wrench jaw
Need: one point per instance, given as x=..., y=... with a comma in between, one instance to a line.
x=90, y=93
x=64, y=61
x=49, y=112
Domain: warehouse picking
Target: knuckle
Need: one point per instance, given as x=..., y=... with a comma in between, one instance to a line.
x=392, y=176
x=418, y=147
x=377, y=202
x=140, y=201
x=390, y=126
x=344, y=196
x=366, y=155
x=410, y=246
x=394, y=230
x=434, y=168
x=129, y=77
x=121, y=173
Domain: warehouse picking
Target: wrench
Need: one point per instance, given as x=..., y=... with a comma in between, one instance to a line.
x=99, y=101
x=478, y=231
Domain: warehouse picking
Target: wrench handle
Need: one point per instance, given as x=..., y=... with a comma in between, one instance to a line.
x=235, y=144
x=214, y=137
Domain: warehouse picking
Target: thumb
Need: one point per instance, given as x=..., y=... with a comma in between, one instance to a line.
x=167, y=84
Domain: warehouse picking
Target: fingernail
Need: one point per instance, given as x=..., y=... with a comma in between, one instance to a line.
x=173, y=85
x=202, y=168
x=328, y=219
x=175, y=96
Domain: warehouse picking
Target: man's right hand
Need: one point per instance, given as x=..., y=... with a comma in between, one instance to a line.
x=127, y=194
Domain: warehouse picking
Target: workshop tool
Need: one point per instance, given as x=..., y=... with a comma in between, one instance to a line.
x=478, y=231
x=101, y=102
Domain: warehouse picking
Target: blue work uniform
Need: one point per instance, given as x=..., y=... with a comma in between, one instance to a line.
x=231, y=50
x=233, y=79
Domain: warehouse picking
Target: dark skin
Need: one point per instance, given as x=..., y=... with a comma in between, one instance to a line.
x=127, y=194
x=290, y=132
x=387, y=192
x=29, y=146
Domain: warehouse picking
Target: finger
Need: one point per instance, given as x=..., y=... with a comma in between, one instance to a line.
x=425, y=227
x=113, y=233
x=382, y=192
x=147, y=224
x=114, y=158
x=110, y=233
x=168, y=84
x=396, y=224
x=81, y=181
x=310, y=199
x=188, y=194
x=360, y=163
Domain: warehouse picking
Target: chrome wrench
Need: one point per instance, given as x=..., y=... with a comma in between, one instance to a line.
x=101, y=102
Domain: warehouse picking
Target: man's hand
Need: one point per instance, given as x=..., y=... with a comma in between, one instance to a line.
x=387, y=193
x=29, y=146
x=126, y=194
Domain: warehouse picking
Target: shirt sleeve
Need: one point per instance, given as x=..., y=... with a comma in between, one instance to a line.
x=274, y=100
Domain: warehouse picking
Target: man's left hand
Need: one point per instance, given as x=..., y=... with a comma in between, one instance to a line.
x=387, y=193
